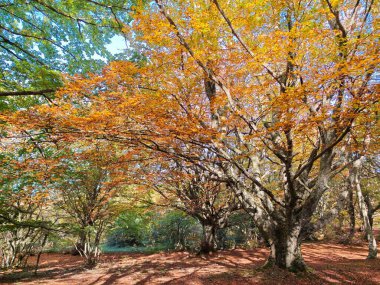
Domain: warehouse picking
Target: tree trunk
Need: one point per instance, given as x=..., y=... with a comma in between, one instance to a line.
x=209, y=243
x=351, y=213
x=355, y=182
x=286, y=250
x=372, y=246
x=367, y=200
x=40, y=252
x=80, y=244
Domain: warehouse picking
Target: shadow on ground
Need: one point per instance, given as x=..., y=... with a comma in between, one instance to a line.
x=329, y=264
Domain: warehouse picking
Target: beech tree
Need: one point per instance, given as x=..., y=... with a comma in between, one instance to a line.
x=199, y=195
x=270, y=89
x=370, y=180
x=24, y=205
x=362, y=150
x=85, y=187
x=355, y=170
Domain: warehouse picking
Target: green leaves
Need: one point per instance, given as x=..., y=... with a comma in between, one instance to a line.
x=39, y=39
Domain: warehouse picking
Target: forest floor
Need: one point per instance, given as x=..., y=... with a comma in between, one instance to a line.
x=329, y=264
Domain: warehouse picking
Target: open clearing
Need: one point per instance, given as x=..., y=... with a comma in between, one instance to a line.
x=330, y=264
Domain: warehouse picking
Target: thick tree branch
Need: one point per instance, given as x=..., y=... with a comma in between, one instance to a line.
x=26, y=92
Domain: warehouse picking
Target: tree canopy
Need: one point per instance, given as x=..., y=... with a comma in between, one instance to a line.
x=41, y=39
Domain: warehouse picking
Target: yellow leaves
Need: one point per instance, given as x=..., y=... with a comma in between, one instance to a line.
x=334, y=3
x=202, y=27
x=163, y=96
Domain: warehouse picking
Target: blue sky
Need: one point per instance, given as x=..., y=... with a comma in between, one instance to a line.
x=117, y=45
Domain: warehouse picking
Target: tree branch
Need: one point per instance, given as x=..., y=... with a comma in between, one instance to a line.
x=26, y=92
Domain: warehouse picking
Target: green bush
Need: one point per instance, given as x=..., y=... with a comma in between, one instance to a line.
x=130, y=228
x=138, y=231
x=177, y=231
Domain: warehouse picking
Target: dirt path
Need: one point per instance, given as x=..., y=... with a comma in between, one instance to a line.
x=330, y=263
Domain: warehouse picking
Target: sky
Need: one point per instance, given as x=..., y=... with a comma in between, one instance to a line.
x=117, y=45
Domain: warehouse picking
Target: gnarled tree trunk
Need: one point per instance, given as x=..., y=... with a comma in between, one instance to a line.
x=209, y=242
x=286, y=249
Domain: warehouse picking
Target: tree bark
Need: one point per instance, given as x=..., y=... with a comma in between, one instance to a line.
x=371, y=211
x=286, y=249
x=351, y=213
x=80, y=244
x=209, y=243
x=355, y=183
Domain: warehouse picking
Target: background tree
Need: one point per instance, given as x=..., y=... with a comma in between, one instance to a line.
x=40, y=39
x=371, y=189
x=25, y=221
x=85, y=187
x=199, y=196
